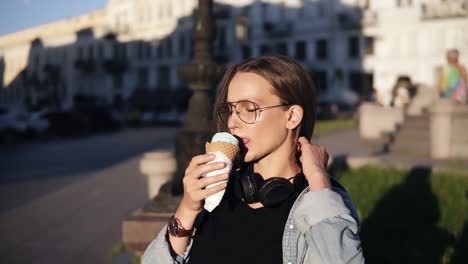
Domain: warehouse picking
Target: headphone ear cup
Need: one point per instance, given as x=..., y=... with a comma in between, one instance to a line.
x=250, y=184
x=274, y=191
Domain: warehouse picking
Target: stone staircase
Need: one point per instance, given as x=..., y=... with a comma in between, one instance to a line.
x=413, y=136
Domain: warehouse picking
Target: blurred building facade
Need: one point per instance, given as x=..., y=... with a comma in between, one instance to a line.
x=349, y=46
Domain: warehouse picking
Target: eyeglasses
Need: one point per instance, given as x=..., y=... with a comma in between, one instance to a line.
x=247, y=111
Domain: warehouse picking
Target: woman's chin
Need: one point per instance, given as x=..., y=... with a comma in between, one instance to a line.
x=248, y=158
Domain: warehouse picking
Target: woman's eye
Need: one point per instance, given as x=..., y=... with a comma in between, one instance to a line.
x=250, y=110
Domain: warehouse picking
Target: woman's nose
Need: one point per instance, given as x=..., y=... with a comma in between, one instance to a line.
x=233, y=121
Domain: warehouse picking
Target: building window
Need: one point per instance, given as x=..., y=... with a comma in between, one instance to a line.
x=36, y=61
x=365, y=4
x=79, y=53
x=143, y=78
x=140, y=50
x=169, y=47
x=319, y=77
x=353, y=47
x=301, y=50
x=361, y=83
x=182, y=45
x=282, y=48
x=160, y=11
x=159, y=50
x=169, y=10
x=147, y=51
x=246, y=51
x=221, y=37
x=149, y=13
x=163, y=77
x=320, y=9
x=321, y=51
x=369, y=45
x=118, y=81
x=265, y=49
x=400, y=3
x=115, y=51
x=120, y=51
x=100, y=51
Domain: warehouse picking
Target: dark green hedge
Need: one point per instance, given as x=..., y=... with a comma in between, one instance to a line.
x=413, y=216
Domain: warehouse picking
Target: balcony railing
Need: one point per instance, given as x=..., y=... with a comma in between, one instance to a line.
x=357, y=18
x=446, y=9
x=278, y=29
x=85, y=65
x=116, y=66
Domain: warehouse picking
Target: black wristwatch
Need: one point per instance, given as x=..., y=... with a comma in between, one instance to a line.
x=175, y=228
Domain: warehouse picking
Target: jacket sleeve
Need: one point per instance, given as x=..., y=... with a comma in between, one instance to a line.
x=330, y=226
x=158, y=251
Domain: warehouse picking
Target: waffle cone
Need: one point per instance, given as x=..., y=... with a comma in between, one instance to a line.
x=230, y=150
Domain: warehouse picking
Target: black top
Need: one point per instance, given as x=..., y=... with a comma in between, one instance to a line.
x=236, y=233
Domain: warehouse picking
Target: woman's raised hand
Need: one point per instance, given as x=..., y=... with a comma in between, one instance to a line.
x=195, y=192
x=314, y=159
x=195, y=184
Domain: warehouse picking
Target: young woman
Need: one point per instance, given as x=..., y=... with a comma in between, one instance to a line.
x=280, y=206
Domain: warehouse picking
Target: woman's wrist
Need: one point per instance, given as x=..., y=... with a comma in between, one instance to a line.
x=186, y=216
x=317, y=180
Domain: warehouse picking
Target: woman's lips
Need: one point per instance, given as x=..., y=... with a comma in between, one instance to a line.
x=245, y=141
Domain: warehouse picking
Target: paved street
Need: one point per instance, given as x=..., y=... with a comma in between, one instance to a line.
x=63, y=201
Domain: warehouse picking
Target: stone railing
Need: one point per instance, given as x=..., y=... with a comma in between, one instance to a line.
x=158, y=167
x=449, y=130
x=375, y=120
x=140, y=228
x=448, y=126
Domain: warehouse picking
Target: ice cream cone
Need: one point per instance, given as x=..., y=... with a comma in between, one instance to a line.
x=229, y=150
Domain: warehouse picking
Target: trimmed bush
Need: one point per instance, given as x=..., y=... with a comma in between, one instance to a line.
x=413, y=216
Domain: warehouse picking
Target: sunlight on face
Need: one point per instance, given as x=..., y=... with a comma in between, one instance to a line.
x=269, y=132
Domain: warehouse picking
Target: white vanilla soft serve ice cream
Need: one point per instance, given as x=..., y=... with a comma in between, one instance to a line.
x=225, y=146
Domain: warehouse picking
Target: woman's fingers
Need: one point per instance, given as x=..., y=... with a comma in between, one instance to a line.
x=195, y=186
x=206, y=181
x=212, y=190
x=199, y=189
x=199, y=160
x=203, y=169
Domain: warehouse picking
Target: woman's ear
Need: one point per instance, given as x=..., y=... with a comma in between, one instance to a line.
x=295, y=114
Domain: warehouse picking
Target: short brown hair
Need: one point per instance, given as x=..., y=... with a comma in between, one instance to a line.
x=452, y=54
x=290, y=81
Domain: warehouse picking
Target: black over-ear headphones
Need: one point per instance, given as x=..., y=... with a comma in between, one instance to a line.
x=252, y=188
x=270, y=192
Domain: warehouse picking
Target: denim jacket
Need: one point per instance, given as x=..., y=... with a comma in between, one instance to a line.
x=322, y=227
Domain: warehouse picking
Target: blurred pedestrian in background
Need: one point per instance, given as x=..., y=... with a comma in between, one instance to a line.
x=401, y=97
x=453, y=82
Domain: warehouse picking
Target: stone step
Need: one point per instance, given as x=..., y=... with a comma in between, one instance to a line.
x=416, y=123
x=410, y=146
x=411, y=141
x=423, y=118
x=376, y=145
x=415, y=134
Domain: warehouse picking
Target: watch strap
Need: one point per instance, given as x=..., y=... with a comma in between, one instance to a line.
x=176, y=229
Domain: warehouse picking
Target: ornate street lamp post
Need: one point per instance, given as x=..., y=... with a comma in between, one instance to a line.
x=200, y=74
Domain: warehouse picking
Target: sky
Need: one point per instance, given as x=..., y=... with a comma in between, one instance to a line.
x=16, y=15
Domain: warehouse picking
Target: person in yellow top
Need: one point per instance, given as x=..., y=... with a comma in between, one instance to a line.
x=453, y=81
